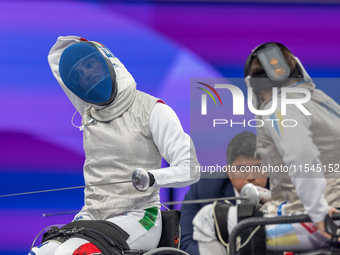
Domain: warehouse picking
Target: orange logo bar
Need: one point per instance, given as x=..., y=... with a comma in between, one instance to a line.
x=273, y=61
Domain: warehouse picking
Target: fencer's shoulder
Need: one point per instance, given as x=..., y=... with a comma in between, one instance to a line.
x=142, y=97
x=149, y=105
x=143, y=94
x=162, y=110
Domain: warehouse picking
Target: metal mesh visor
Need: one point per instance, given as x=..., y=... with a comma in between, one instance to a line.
x=274, y=63
x=84, y=71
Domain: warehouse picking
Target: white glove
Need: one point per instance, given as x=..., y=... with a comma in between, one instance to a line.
x=265, y=194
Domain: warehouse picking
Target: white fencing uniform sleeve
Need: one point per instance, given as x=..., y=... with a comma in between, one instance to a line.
x=176, y=148
x=295, y=144
x=53, y=59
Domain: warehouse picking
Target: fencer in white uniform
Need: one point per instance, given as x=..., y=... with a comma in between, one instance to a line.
x=300, y=151
x=123, y=129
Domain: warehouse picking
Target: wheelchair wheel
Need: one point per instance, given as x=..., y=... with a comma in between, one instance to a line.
x=166, y=251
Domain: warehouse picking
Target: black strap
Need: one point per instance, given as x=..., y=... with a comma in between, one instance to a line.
x=152, y=179
x=105, y=235
x=221, y=210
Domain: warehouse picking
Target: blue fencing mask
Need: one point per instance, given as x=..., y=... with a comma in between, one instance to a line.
x=86, y=70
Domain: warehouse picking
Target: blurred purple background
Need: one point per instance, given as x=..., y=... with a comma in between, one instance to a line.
x=163, y=45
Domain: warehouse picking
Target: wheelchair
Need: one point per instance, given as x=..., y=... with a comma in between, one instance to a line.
x=331, y=228
x=170, y=238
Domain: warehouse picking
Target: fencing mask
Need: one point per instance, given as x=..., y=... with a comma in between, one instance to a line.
x=87, y=71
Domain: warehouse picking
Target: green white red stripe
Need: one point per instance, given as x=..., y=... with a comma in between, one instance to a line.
x=98, y=44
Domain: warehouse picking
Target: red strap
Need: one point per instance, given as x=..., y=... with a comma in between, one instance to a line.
x=309, y=227
x=160, y=101
x=87, y=249
x=83, y=39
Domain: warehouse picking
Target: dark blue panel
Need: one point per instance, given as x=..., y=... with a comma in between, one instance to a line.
x=27, y=182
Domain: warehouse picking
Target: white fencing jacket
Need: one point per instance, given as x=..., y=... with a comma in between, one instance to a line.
x=310, y=151
x=135, y=131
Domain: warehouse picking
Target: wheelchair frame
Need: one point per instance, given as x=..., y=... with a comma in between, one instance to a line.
x=262, y=221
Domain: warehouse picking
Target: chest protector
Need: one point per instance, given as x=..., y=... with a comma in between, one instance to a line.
x=114, y=149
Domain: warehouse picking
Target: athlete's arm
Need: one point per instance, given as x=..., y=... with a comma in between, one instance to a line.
x=295, y=144
x=176, y=148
